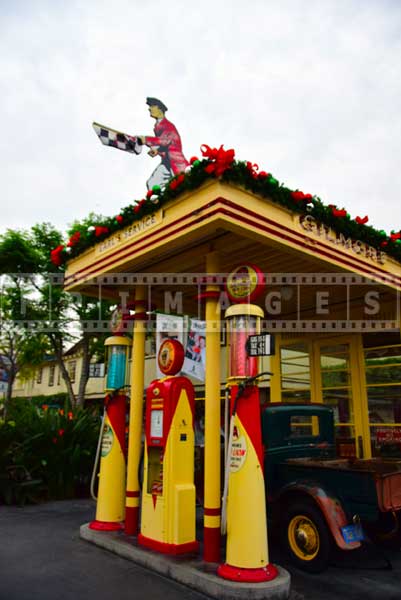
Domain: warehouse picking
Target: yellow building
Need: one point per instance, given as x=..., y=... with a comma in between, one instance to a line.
x=331, y=303
x=48, y=381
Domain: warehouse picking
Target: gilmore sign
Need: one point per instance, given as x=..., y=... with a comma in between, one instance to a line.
x=309, y=223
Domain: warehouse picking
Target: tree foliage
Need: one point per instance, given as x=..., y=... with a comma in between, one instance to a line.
x=37, y=315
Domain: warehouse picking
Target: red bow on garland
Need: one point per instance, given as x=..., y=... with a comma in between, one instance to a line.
x=223, y=159
x=55, y=256
x=177, y=181
x=74, y=239
x=253, y=169
x=100, y=230
x=395, y=236
x=138, y=206
x=299, y=196
x=361, y=221
x=338, y=212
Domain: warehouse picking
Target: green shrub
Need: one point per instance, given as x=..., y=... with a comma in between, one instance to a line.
x=53, y=446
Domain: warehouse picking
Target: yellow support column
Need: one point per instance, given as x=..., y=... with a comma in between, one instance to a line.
x=136, y=413
x=275, y=367
x=212, y=508
x=360, y=398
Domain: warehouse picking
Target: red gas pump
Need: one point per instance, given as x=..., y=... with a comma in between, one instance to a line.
x=244, y=502
x=168, y=493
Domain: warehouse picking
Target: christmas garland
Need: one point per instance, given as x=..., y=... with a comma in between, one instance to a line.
x=221, y=164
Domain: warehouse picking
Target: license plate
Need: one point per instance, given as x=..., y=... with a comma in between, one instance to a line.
x=353, y=533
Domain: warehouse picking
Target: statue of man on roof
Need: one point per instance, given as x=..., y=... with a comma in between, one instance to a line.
x=165, y=143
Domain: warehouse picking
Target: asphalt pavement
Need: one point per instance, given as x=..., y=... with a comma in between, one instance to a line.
x=42, y=557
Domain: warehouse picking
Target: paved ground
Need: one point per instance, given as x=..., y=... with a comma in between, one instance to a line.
x=42, y=557
x=370, y=573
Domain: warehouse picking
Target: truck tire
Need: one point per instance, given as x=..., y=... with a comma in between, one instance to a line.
x=305, y=536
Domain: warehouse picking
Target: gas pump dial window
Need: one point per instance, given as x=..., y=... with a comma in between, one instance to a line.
x=156, y=424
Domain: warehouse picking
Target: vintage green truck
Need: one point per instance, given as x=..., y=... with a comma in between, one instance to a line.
x=317, y=500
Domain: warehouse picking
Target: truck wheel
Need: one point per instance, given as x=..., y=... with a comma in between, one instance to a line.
x=305, y=536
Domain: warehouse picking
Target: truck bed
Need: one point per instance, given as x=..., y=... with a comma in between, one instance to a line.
x=385, y=474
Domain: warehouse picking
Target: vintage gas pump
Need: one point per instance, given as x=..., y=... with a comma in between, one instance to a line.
x=168, y=492
x=110, y=506
x=244, y=503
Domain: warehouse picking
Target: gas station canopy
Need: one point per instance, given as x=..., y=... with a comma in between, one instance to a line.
x=166, y=250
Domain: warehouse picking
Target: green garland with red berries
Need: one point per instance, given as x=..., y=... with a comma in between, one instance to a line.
x=221, y=164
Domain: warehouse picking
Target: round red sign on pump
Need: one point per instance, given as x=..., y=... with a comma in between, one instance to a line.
x=117, y=320
x=171, y=357
x=245, y=283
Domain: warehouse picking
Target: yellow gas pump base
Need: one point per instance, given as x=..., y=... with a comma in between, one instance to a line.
x=168, y=497
x=110, y=508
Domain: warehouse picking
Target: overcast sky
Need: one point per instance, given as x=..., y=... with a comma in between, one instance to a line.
x=309, y=90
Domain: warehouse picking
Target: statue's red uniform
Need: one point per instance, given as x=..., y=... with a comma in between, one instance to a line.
x=168, y=143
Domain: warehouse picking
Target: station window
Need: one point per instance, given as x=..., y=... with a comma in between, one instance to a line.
x=304, y=426
x=383, y=386
x=336, y=388
x=295, y=373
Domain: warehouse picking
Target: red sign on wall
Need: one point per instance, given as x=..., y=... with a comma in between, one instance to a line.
x=388, y=434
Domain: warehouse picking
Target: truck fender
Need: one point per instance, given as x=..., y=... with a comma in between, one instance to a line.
x=330, y=506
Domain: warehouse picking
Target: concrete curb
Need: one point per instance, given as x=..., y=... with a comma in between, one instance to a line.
x=190, y=572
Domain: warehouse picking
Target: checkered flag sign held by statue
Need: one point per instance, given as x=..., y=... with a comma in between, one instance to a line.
x=116, y=139
x=165, y=143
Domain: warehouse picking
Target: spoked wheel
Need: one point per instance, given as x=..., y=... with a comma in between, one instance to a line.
x=305, y=537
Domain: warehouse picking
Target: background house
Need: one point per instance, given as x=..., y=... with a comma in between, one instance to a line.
x=48, y=381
